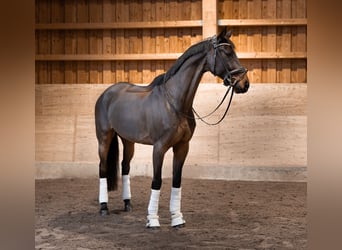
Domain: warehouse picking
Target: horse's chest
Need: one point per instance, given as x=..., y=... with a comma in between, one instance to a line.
x=185, y=130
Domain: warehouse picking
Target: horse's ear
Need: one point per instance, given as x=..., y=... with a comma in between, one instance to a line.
x=229, y=34
x=224, y=34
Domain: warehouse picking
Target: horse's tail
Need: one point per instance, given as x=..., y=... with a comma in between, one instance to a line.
x=113, y=164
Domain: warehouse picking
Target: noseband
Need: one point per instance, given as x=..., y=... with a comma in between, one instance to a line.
x=229, y=77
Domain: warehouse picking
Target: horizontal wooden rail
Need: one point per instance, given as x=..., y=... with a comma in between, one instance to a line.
x=263, y=22
x=171, y=24
x=114, y=57
x=164, y=56
x=119, y=25
x=271, y=55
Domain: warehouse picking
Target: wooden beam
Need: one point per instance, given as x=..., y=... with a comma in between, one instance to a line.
x=209, y=28
x=208, y=24
x=209, y=15
x=164, y=56
x=111, y=57
x=263, y=22
x=119, y=25
x=271, y=55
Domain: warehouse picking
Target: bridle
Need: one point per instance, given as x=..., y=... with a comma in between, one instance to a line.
x=227, y=81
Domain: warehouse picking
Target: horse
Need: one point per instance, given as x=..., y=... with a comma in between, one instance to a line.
x=160, y=114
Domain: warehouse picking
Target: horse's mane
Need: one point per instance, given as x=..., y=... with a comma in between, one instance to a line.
x=158, y=80
x=193, y=50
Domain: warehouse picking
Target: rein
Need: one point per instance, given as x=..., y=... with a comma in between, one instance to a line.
x=225, y=113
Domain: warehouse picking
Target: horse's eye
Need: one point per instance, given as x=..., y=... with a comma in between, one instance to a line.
x=227, y=52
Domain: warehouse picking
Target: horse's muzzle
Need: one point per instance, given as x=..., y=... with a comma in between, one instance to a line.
x=241, y=87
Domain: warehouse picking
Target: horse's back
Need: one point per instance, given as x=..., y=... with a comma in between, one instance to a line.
x=116, y=88
x=124, y=90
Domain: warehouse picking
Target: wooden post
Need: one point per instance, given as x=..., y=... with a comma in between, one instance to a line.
x=209, y=28
x=107, y=42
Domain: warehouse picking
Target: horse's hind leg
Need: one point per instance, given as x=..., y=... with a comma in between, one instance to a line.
x=128, y=152
x=104, y=141
x=180, y=152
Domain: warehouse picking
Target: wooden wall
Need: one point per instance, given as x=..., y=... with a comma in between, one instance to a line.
x=262, y=138
x=82, y=46
x=273, y=33
x=104, y=41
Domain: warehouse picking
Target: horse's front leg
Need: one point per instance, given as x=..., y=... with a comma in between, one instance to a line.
x=180, y=152
x=158, y=158
x=128, y=152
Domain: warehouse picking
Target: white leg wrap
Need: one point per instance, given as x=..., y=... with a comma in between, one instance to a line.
x=175, y=207
x=126, y=187
x=152, y=216
x=103, y=192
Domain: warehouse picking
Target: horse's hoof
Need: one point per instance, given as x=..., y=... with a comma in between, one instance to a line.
x=177, y=221
x=152, y=228
x=104, y=209
x=128, y=207
x=104, y=212
x=153, y=223
x=179, y=226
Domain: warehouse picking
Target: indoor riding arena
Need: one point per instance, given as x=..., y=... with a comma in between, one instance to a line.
x=244, y=179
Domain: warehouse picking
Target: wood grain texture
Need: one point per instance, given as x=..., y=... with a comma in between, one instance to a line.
x=266, y=127
x=110, y=41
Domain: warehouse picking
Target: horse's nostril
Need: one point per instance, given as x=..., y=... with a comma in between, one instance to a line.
x=246, y=85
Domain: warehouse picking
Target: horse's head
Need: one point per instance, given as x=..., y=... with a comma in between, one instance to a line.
x=225, y=64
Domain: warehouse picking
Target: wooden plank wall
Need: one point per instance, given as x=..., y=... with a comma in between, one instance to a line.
x=82, y=46
x=270, y=37
x=104, y=41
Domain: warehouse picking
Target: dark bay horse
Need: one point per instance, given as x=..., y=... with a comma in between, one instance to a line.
x=160, y=114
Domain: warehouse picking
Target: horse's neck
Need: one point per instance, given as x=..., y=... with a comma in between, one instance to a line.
x=182, y=87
